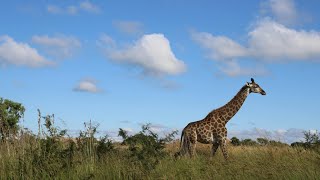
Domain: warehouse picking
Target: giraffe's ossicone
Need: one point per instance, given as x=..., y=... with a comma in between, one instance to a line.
x=212, y=129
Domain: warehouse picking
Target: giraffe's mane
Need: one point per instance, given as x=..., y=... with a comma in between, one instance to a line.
x=240, y=91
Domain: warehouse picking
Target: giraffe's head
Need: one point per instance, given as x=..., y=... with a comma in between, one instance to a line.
x=255, y=88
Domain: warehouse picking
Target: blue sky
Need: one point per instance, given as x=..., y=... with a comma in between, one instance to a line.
x=125, y=63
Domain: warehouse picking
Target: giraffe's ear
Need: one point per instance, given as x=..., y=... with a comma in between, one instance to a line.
x=252, y=80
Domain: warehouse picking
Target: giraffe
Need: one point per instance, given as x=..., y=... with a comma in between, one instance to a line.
x=212, y=129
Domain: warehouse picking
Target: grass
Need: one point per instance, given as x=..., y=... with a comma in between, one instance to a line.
x=20, y=159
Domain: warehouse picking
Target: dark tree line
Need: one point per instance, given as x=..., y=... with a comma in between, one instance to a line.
x=258, y=142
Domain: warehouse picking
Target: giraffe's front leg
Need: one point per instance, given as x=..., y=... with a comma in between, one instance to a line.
x=223, y=146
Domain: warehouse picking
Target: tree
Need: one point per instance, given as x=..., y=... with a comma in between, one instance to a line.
x=262, y=141
x=248, y=142
x=10, y=114
x=235, y=141
x=311, y=138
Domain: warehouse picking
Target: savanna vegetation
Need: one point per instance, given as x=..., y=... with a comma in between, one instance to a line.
x=50, y=153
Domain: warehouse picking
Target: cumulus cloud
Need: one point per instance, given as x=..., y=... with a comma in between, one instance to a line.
x=225, y=51
x=85, y=6
x=87, y=85
x=129, y=27
x=151, y=53
x=272, y=41
x=288, y=136
x=283, y=11
x=20, y=54
x=219, y=47
x=60, y=46
x=268, y=42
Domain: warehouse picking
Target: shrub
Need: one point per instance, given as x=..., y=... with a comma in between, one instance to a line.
x=235, y=141
x=248, y=142
x=262, y=141
x=146, y=147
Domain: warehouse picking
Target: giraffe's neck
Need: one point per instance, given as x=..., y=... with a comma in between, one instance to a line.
x=227, y=111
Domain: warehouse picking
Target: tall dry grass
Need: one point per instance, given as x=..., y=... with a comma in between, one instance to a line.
x=20, y=159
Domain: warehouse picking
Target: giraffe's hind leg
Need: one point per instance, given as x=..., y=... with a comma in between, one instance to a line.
x=192, y=149
x=192, y=144
x=214, y=148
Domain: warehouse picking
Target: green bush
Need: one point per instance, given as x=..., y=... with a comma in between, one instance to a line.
x=146, y=147
x=248, y=142
x=235, y=141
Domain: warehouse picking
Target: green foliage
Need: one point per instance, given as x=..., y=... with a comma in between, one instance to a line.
x=235, y=141
x=248, y=142
x=312, y=141
x=52, y=155
x=262, y=141
x=297, y=144
x=10, y=114
x=277, y=143
x=146, y=147
x=104, y=146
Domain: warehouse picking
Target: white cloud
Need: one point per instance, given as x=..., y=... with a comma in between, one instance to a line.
x=219, y=47
x=129, y=130
x=272, y=41
x=54, y=9
x=106, y=41
x=152, y=53
x=60, y=46
x=129, y=27
x=158, y=128
x=313, y=131
x=87, y=85
x=283, y=11
x=287, y=136
x=84, y=6
x=20, y=54
x=233, y=69
x=268, y=42
x=89, y=7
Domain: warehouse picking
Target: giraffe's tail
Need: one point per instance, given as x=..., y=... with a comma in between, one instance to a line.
x=183, y=145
